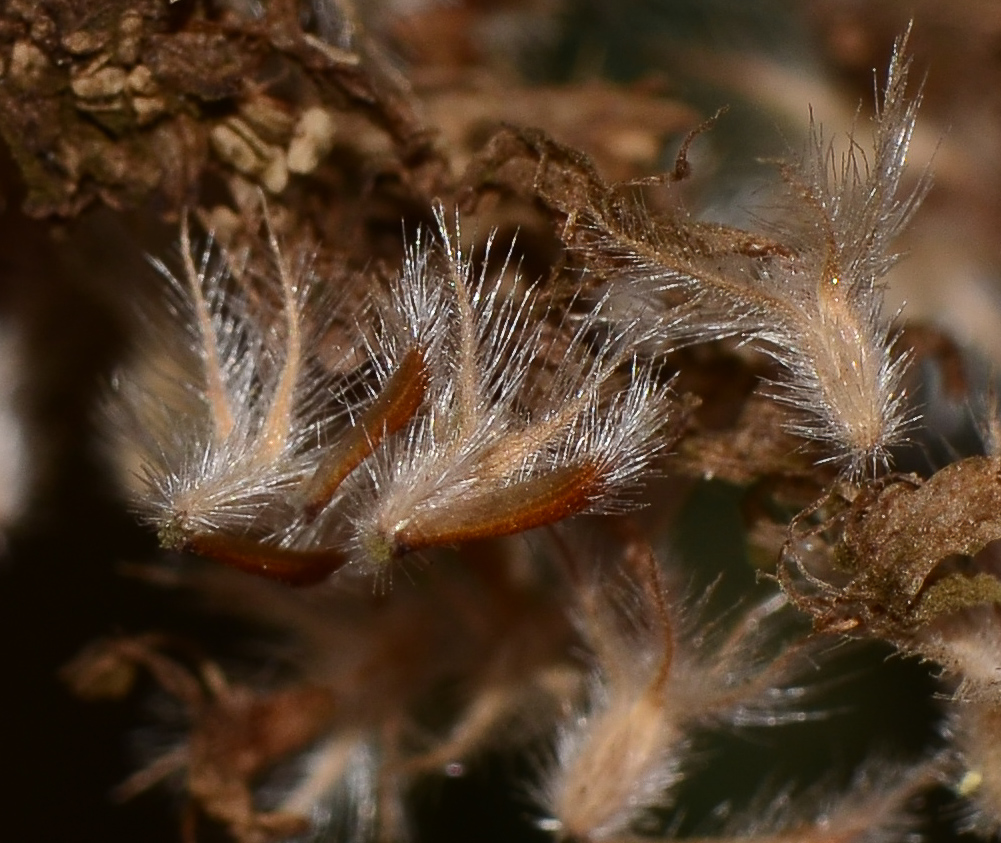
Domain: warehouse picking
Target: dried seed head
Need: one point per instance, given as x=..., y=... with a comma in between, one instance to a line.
x=614, y=763
x=224, y=431
x=809, y=294
x=654, y=683
x=488, y=457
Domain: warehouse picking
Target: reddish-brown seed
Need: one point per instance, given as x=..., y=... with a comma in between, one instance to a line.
x=292, y=567
x=502, y=512
x=391, y=410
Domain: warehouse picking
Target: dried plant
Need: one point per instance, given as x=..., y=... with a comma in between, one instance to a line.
x=443, y=368
x=456, y=444
x=808, y=293
x=631, y=743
